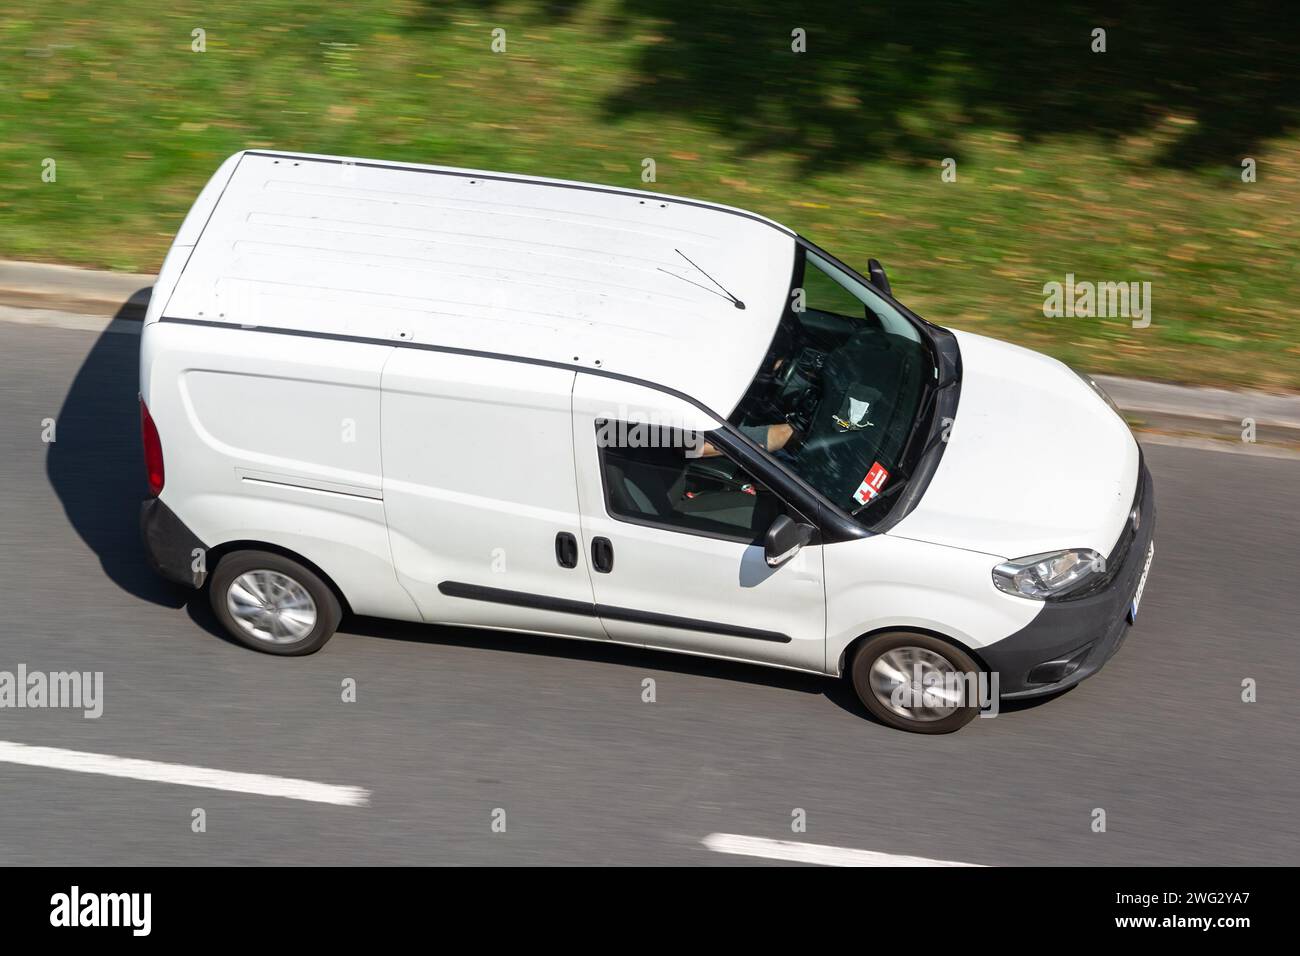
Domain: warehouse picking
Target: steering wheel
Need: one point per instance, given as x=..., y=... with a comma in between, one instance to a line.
x=782, y=375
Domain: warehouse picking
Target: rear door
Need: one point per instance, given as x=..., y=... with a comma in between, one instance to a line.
x=479, y=493
x=675, y=541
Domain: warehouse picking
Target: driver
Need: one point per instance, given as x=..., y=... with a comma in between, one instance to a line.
x=771, y=437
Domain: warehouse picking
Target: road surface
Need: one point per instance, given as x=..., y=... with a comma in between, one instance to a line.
x=451, y=726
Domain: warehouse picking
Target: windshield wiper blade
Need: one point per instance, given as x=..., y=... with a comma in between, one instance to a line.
x=881, y=496
x=734, y=301
x=927, y=409
x=902, y=477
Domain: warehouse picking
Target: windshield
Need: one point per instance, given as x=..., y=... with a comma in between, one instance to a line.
x=840, y=388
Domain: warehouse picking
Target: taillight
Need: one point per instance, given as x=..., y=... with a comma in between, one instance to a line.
x=153, y=459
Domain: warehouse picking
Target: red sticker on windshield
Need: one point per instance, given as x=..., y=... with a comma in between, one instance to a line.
x=871, y=484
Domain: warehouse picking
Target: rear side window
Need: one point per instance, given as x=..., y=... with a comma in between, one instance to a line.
x=675, y=480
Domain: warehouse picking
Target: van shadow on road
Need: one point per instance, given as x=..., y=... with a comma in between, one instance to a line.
x=96, y=467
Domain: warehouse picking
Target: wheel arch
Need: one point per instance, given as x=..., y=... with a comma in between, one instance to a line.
x=216, y=553
x=855, y=645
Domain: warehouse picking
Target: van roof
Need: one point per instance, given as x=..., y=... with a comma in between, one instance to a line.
x=629, y=282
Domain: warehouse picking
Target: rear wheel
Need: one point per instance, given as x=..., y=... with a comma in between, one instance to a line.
x=916, y=682
x=271, y=603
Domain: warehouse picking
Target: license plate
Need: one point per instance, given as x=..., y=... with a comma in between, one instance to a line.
x=1142, y=583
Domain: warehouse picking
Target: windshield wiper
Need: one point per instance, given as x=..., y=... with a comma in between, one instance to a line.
x=923, y=414
x=881, y=496
x=902, y=477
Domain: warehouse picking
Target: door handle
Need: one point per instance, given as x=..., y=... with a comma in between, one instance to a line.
x=602, y=555
x=566, y=550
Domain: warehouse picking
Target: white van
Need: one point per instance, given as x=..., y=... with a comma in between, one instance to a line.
x=497, y=401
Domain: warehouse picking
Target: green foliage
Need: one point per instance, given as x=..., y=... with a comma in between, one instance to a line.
x=1122, y=166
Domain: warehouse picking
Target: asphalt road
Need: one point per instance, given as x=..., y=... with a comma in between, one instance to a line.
x=450, y=725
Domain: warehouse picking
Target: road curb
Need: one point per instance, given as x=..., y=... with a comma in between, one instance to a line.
x=40, y=285
x=1218, y=404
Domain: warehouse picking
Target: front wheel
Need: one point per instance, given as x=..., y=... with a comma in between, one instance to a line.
x=273, y=604
x=916, y=682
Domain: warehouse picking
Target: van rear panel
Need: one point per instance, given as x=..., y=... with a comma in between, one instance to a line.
x=275, y=440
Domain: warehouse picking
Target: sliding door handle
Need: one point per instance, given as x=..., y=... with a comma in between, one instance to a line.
x=602, y=555
x=566, y=550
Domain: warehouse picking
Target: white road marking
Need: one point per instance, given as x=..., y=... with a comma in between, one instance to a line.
x=813, y=852
x=79, y=761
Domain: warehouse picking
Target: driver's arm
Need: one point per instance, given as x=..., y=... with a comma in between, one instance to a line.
x=771, y=437
x=778, y=436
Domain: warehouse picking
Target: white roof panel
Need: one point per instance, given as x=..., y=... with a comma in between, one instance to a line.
x=584, y=275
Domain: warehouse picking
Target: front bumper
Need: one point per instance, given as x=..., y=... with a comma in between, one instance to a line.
x=1079, y=635
x=172, y=548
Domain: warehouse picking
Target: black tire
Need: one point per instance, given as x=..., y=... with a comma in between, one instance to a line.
x=327, y=610
x=872, y=649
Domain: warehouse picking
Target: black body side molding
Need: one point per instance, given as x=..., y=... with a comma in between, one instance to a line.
x=545, y=602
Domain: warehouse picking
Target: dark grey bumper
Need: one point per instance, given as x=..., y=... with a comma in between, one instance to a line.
x=1080, y=635
x=172, y=548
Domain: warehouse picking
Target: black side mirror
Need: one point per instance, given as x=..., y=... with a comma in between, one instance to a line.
x=876, y=273
x=784, y=538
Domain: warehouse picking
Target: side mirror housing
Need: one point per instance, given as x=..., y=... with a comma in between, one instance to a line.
x=876, y=273
x=784, y=539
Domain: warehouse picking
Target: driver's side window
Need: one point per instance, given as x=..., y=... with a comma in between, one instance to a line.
x=828, y=289
x=656, y=476
x=824, y=293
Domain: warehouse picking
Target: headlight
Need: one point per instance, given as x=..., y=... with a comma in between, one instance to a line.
x=1099, y=390
x=1048, y=575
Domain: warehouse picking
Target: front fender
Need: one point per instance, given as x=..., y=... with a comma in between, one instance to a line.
x=886, y=582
